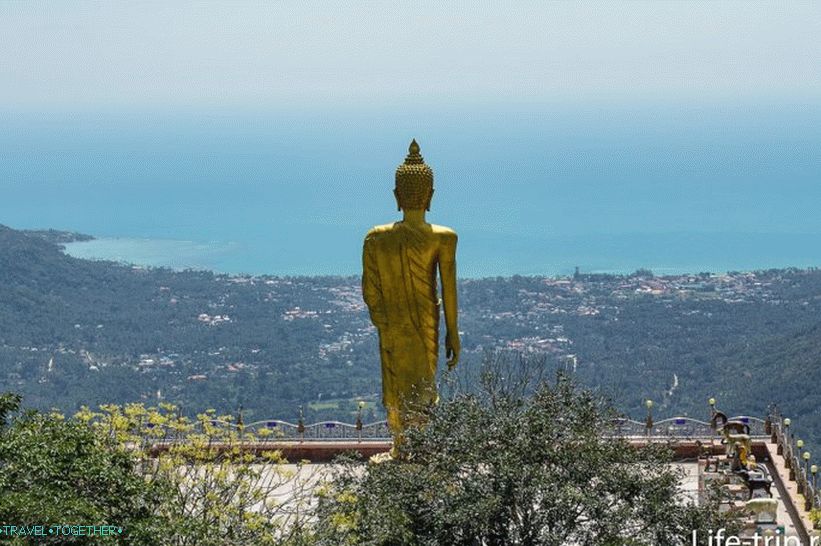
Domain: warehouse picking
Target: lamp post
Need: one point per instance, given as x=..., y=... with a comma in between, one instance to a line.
x=780, y=450
x=300, y=427
x=806, y=458
x=814, y=472
x=800, y=445
x=806, y=482
x=649, y=422
x=712, y=403
x=360, y=405
x=793, y=470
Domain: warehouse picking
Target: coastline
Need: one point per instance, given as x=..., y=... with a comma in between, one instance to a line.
x=551, y=258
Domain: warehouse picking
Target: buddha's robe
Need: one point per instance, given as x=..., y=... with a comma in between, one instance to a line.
x=400, y=288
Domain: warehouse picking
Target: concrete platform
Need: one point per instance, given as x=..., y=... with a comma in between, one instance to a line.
x=315, y=456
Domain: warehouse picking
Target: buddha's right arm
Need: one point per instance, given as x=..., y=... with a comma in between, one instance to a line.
x=371, y=285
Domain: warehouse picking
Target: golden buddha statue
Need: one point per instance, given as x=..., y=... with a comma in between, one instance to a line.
x=399, y=266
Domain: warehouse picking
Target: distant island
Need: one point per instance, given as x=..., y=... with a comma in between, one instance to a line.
x=78, y=332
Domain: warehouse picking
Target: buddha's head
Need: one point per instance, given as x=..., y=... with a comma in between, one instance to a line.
x=414, y=182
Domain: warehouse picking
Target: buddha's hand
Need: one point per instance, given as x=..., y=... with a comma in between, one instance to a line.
x=452, y=349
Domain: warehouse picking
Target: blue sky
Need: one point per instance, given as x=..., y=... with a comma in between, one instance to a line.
x=236, y=121
x=266, y=55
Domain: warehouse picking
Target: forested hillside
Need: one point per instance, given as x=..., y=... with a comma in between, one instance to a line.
x=76, y=332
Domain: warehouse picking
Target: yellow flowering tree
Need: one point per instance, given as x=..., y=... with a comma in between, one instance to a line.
x=160, y=477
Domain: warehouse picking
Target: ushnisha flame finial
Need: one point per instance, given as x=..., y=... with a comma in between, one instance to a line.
x=414, y=157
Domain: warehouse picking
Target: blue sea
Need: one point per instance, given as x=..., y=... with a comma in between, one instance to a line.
x=610, y=186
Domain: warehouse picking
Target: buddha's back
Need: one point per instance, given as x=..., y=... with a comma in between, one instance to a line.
x=404, y=258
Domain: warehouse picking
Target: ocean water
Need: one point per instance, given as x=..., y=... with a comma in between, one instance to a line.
x=531, y=189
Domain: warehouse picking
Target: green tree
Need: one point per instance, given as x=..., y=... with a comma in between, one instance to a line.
x=58, y=472
x=519, y=461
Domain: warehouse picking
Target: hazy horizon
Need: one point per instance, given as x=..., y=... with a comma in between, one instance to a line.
x=227, y=55
x=560, y=134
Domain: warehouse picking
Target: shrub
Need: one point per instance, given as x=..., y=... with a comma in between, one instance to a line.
x=518, y=460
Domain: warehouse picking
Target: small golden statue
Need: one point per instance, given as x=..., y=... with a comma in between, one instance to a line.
x=399, y=285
